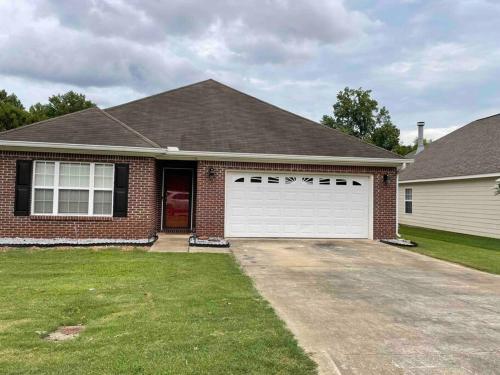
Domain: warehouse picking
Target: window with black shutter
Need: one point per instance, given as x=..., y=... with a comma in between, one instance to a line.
x=23, y=188
x=120, y=204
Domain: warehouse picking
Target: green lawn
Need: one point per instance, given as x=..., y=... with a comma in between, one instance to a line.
x=144, y=313
x=482, y=253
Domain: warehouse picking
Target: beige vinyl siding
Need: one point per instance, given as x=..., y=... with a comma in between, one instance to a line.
x=463, y=206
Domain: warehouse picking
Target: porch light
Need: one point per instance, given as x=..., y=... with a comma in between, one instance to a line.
x=387, y=178
x=211, y=173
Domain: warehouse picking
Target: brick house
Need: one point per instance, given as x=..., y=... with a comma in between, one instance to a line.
x=205, y=159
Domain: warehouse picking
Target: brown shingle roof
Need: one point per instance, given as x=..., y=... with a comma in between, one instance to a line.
x=91, y=126
x=207, y=117
x=471, y=150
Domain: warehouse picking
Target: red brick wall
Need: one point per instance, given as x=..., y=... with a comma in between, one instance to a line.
x=140, y=222
x=210, y=193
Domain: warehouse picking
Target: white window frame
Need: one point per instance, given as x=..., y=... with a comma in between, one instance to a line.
x=409, y=200
x=55, y=188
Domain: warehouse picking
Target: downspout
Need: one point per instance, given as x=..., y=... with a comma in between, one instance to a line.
x=397, y=204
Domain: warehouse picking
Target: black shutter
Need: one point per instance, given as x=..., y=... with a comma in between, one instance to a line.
x=120, y=204
x=23, y=187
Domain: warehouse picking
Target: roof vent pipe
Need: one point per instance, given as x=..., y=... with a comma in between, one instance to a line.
x=420, y=140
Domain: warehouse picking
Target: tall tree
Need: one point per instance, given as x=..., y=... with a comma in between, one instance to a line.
x=12, y=113
x=11, y=99
x=357, y=113
x=39, y=112
x=386, y=134
x=62, y=104
x=406, y=149
x=354, y=113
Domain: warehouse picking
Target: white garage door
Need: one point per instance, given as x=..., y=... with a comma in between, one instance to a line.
x=297, y=205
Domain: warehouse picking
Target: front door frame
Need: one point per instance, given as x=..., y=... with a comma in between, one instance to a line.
x=163, y=224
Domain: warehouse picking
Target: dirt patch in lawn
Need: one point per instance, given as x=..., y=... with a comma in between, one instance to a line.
x=65, y=333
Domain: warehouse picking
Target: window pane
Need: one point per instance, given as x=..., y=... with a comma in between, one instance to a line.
x=340, y=181
x=73, y=201
x=74, y=175
x=102, y=202
x=103, y=176
x=44, y=173
x=408, y=194
x=408, y=207
x=43, y=201
x=324, y=181
x=307, y=180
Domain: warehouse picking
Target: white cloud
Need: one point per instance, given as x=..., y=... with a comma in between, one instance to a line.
x=272, y=32
x=407, y=137
x=442, y=63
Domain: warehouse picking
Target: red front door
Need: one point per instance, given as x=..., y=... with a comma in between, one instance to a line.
x=178, y=191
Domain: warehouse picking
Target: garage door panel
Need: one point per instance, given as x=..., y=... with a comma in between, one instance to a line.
x=296, y=205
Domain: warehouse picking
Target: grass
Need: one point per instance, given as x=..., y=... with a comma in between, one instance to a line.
x=144, y=313
x=482, y=253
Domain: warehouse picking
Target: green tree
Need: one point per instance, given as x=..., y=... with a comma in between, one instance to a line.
x=386, y=134
x=354, y=113
x=406, y=149
x=12, y=112
x=11, y=99
x=357, y=113
x=39, y=112
x=61, y=104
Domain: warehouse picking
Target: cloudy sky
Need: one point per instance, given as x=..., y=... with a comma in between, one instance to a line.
x=436, y=61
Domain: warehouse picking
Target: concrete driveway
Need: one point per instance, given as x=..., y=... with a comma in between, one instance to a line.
x=361, y=307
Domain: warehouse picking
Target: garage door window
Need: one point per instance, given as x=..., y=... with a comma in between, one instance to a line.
x=307, y=180
x=340, y=181
x=324, y=181
x=273, y=180
x=256, y=180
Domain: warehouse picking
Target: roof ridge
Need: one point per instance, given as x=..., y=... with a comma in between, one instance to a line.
x=130, y=129
x=460, y=128
x=47, y=120
x=158, y=94
x=303, y=118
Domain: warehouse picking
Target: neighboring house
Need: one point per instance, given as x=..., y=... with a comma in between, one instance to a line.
x=204, y=158
x=451, y=184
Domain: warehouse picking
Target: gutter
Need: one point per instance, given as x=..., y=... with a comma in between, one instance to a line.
x=78, y=148
x=175, y=153
x=280, y=158
x=453, y=178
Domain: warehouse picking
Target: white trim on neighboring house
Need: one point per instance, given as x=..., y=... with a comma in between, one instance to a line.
x=453, y=178
x=173, y=153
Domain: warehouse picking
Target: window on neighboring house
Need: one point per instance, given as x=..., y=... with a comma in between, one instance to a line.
x=66, y=188
x=408, y=201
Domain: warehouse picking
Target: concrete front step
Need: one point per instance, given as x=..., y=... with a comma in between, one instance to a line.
x=179, y=243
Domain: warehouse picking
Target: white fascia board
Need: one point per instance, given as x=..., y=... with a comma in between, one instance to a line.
x=78, y=148
x=454, y=178
x=280, y=158
x=172, y=153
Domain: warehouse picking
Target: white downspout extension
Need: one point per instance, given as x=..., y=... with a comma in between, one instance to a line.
x=397, y=204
